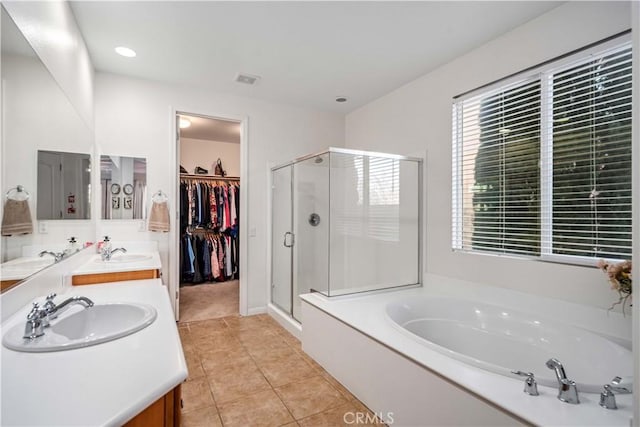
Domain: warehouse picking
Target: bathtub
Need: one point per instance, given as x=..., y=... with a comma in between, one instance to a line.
x=442, y=354
x=502, y=340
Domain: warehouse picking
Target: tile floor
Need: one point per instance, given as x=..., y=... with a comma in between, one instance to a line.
x=249, y=371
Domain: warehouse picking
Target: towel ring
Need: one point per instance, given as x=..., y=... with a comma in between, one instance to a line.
x=159, y=196
x=19, y=189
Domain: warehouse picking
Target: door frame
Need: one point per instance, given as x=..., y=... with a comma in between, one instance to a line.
x=174, y=234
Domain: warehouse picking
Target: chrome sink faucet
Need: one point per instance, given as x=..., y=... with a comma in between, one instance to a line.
x=106, y=253
x=567, y=390
x=58, y=256
x=40, y=317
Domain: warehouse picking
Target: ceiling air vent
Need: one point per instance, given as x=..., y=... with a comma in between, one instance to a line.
x=248, y=79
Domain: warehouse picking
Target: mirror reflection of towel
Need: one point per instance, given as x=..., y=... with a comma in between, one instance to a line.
x=159, y=217
x=16, y=218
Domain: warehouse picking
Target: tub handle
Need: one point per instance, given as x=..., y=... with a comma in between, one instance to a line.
x=530, y=385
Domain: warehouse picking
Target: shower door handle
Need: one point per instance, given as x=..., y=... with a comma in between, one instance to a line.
x=290, y=245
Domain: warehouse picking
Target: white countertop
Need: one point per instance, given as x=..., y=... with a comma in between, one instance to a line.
x=105, y=384
x=96, y=266
x=20, y=268
x=366, y=313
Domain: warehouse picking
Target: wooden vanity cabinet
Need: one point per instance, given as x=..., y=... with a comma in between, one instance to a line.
x=164, y=412
x=121, y=276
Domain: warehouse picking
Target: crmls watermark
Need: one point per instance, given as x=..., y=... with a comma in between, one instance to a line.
x=368, y=418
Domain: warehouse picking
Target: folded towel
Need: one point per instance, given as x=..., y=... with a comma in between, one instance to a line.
x=16, y=218
x=159, y=217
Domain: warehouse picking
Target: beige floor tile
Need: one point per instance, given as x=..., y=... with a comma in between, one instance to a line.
x=216, y=341
x=206, y=328
x=264, y=355
x=203, y=417
x=196, y=394
x=346, y=415
x=290, y=339
x=315, y=365
x=193, y=364
x=265, y=344
x=237, y=381
x=287, y=370
x=245, y=323
x=338, y=386
x=309, y=397
x=219, y=360
x=256, y=410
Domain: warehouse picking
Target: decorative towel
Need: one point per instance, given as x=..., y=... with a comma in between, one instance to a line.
x=159, y=217
x=16, y=218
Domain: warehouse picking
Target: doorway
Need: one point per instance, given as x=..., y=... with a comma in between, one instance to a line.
x=209, y=248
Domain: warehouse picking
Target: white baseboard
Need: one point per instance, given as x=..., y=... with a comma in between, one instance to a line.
x=256, y=310
x=285, y=321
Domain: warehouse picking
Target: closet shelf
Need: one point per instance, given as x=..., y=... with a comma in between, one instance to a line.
x=212, y=177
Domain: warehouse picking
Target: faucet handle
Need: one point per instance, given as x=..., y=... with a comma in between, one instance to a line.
x=530, y=385
x=51, y=296
x=34, y=313
x=607, y=398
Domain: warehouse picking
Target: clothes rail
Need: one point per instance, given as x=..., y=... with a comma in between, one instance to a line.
x=210, y=177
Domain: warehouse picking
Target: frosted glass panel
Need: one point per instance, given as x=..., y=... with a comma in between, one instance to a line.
x=374, y=213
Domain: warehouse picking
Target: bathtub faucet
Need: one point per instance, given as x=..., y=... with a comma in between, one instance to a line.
x=567, y=390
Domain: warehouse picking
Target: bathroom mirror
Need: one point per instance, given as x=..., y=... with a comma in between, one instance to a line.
x=123, y=187
x=37, y=116
x=64, y=185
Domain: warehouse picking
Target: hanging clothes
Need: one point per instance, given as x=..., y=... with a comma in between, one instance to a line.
x=209, y=218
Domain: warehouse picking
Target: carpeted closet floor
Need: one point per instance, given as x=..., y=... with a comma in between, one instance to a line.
x=209, y=301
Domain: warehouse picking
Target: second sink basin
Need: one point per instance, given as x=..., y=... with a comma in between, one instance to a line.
x=85, y=327
x=123, y=258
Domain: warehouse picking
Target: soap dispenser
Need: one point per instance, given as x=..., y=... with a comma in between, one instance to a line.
x=72, y=247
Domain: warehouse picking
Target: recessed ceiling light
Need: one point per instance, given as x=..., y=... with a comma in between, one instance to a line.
x=341, y=99
x=125, y=51
x=184, y=123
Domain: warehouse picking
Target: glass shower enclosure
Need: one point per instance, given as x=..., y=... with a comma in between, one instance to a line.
x=343, y=222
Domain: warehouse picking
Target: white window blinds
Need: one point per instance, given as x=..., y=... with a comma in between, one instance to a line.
x=591, y=108
x=499, y=141
x=542, y=166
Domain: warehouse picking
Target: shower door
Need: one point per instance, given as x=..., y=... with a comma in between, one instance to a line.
x=282, y=239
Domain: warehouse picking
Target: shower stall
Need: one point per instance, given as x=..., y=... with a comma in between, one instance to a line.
x=343, y=222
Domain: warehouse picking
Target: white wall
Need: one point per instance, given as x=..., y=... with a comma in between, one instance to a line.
x=133, y=118
x=417, y=116
x=203, y=153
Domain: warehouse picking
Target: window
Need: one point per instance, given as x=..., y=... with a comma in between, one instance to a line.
x=542, y=163
x=378, y=207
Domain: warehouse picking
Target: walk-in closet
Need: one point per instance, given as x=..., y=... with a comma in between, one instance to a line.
x=209, y=215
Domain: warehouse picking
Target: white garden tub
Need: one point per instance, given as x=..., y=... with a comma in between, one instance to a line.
x=501, y=340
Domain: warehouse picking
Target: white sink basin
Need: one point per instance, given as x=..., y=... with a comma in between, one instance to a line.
x=122, y=258
x=84, y=327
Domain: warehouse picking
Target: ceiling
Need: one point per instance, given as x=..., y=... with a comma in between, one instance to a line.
x=307, y=53
x=211, y=129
